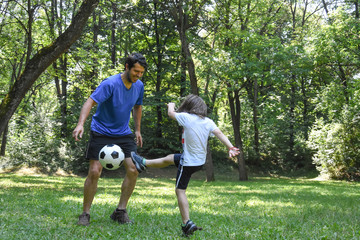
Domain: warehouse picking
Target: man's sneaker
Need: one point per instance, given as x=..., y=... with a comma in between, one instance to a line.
x=84, y=219
x=190, y=228
x=121, y=216
x=138, y=161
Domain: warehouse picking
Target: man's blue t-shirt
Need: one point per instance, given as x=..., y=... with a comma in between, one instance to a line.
x=115, y=103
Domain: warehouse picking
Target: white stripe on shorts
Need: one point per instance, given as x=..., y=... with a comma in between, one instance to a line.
x=181, y=171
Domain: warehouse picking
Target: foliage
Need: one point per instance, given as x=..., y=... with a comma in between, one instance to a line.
x=304, y=66
x=263, y=208
x=336, y=146
x=38, y=145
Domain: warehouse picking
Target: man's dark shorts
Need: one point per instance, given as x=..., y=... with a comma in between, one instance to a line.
x=97, y=141
x=184, y=172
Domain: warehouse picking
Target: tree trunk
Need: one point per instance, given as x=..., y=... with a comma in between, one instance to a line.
x=210, y=176
x=4, y=140
x=255, y=120
x=42, y=60
x=61, y=90
x=235, y=110
x=305, y=109
x=94, y=72
x=159, y=109
x=63, y=98
x=113, y=32
x=292, y=118
x=182, y=25
x=209, y=166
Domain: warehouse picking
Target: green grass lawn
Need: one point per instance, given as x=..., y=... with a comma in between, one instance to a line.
x=38, y=207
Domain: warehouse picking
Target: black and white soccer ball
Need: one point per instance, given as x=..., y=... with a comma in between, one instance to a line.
x=111, y=156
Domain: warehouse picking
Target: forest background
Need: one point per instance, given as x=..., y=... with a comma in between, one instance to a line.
x=280, y=77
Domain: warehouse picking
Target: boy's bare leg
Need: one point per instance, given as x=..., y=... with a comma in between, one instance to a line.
x=183, y=204
x=160, y=162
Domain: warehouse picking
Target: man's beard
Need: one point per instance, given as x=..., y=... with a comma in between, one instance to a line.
x=128, y=77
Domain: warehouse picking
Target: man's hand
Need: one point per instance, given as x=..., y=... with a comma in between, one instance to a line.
x=78, y=132
x=85, y=110
x=139, y=141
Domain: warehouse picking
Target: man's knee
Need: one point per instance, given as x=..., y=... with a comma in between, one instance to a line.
x=94, y=170
x=131, y=169
x=132, y=172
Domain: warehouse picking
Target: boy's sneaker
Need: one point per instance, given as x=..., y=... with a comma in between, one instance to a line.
x=190, y=228
x=121, y=216
x=138, y=161
x=84, y=219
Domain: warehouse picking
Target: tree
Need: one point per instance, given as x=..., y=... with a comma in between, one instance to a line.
x=43, y=59
x=186, y=15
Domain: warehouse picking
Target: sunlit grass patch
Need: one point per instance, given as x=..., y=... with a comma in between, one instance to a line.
x=39, y=207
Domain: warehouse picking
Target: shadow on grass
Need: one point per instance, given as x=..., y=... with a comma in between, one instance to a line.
x=261, y=208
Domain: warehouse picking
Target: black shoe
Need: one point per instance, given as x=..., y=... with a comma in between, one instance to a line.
x=190, y=228
x=138, y=161
x=84, y=219
x=121, y=216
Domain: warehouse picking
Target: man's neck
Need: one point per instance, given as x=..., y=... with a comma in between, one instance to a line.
x=125, y=80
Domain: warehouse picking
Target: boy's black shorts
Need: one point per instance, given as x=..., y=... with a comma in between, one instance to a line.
x=184, y=172
x=97, y=141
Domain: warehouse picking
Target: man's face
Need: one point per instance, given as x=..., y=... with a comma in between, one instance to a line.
x=136, y=72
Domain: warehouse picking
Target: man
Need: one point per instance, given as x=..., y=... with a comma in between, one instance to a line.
x=115, y=97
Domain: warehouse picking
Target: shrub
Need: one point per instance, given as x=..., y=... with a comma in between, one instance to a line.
x=336, y=146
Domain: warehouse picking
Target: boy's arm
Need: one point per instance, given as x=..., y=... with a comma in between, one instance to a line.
x=233, y=151
x=171, y=110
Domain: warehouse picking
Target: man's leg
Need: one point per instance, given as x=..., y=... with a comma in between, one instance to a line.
x=120, y=214
x=90, y=187
x=91, y=184
x=128, y=184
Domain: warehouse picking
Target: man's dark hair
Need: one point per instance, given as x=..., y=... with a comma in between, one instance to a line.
x=136, y=58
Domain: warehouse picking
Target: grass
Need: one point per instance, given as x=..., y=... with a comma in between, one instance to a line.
x=43, y=207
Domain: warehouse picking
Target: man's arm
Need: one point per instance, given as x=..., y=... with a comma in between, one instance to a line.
x=137, y=113
x=85, y=111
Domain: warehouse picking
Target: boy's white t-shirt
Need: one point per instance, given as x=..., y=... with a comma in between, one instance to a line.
x=195, y=137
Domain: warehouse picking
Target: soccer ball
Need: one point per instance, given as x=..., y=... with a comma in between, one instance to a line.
x=111, y=156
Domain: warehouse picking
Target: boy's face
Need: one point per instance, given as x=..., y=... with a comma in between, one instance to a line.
x=136, y=72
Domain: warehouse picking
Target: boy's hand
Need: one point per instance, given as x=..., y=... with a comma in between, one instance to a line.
x=233, y=151
x=171, y=104
x=171, y=110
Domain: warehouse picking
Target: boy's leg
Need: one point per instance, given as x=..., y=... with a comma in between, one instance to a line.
x=182, y=180
x=188, y=227
x=160, y=162
x=183, y=204
x=141, y=163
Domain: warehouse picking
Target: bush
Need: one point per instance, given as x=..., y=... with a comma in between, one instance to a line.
x=35, y=142
x=336, y=146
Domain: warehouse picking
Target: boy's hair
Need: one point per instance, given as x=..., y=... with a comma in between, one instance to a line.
x=195, y=105
x=136, y=58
